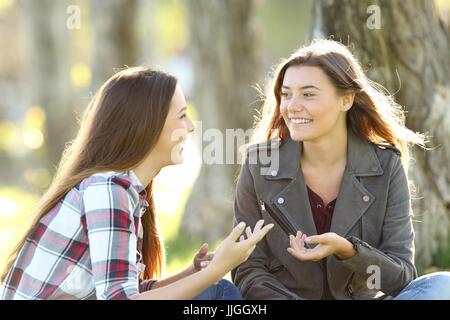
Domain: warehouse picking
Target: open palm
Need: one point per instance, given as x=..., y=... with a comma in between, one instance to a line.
x=325, y=246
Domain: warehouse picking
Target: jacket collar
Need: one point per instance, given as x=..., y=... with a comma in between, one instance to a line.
x=361, y=158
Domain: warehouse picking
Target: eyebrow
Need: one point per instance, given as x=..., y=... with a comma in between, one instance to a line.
x=182, y=109
x=302, y=88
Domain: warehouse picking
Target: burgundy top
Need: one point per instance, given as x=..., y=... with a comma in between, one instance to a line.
x=322, y=215
x=322, y=218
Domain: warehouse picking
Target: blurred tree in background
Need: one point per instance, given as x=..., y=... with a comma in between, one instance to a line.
x=225, y=59
x=227, y=53
x=407, y=52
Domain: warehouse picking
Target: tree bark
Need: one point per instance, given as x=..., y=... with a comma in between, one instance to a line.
x=115, y=37
x=223, y=50
x=49, y=82
x=408, y=55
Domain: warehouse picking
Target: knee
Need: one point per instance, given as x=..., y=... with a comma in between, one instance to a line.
x=230, y=290
x=225, y=284
x=439, y=285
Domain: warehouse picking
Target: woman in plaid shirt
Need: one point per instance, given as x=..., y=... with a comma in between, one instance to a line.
x=94, y=234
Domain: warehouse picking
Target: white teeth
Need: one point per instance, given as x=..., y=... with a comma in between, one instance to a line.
x=300, y=121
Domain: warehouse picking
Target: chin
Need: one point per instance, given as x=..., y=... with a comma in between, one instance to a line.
x=299, y=137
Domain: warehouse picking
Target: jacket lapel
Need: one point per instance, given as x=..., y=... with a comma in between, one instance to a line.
x=292, y=201
x=353, y=198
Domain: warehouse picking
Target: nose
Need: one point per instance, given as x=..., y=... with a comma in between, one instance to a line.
x=294, y=104
x=191, y=127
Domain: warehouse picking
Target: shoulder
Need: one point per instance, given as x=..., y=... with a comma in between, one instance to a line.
x=110, y=178
x=388, y=147
x=115, y=184
x=390, y=158
x=108, y=189
x=263, y=146
x=387, y=154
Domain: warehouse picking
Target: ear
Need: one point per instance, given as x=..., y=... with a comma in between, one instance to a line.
x=347, y=101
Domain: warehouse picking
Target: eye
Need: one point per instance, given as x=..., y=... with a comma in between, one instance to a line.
x=183, y=116
x=308, y=94
x=284, y=94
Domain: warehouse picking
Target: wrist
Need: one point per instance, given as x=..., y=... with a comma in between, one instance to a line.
x=213, y=273
x=346, y=250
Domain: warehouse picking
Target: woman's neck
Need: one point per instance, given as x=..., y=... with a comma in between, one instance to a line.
x=326, y=152
x=148, y=170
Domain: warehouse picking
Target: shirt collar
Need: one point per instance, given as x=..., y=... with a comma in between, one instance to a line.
x=137, y=184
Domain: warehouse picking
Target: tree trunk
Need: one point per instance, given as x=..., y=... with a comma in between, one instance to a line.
x=49, y=83
x=408, y=54
x=115, y=37
x=222, y=47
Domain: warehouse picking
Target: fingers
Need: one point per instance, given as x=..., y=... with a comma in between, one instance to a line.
x=259, y=233
x=315, y=239
x=295, y=244
x=248, y=232
x=209, y=256
x=295, y=254
x=203, y=250
x=236, y=232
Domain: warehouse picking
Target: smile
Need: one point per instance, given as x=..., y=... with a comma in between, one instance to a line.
x=301, y=120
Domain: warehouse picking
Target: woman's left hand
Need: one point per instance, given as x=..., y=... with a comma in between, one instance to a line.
x=327, y=244
x=202, y=258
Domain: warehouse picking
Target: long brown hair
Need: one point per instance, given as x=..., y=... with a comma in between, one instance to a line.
x=119, y=128
x=374, y=115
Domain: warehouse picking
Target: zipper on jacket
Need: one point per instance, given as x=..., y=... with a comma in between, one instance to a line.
x=280, y=291
x=281, y=220
x=349, y=287
x=361, y=229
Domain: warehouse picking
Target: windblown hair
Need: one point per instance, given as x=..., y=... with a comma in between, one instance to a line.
x=121, y=125
x=374, y=115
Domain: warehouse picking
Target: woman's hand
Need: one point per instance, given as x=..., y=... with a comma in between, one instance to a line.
x=232, y=253
x=202, y=258
x=327, y=244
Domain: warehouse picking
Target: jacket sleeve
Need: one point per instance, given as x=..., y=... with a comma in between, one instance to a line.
x=252, y=277
x=394, y=256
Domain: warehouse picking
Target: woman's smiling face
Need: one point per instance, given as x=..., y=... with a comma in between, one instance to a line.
x=176, y=128
x=310, y=105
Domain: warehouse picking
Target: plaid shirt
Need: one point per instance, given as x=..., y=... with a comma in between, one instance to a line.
x=87, y=247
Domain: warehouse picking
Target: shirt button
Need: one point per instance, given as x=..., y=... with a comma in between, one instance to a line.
x=374, y=169
x=366, y=198
x=280, y=200
x=273, y=173
x=319, y=206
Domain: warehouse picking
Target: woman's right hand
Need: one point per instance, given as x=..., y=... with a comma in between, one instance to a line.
x=232, y=253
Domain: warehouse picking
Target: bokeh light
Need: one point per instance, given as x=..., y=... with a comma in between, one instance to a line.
x=80, y=75
x=33, y=138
